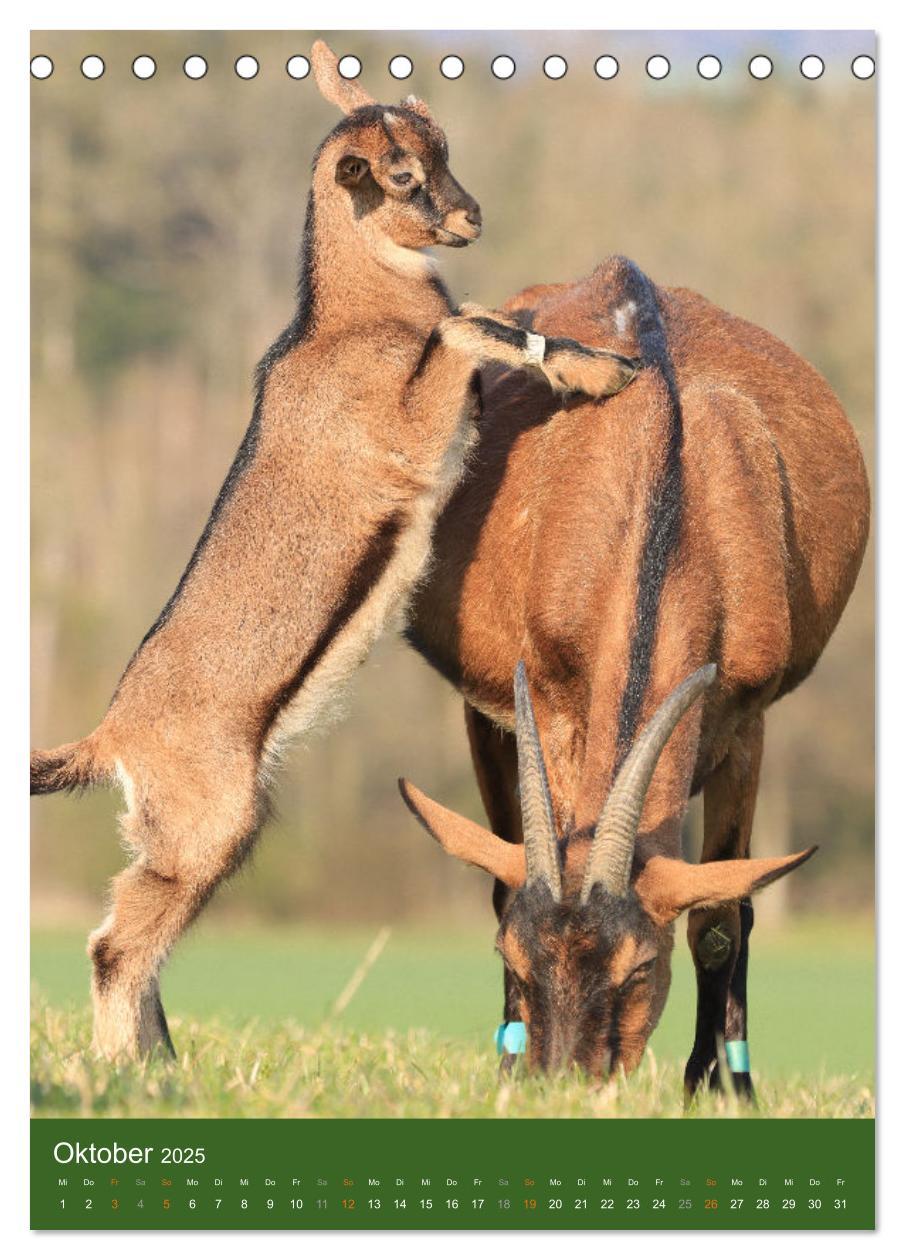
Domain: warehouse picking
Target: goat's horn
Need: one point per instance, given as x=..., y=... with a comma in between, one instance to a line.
x=613, y=846
x=538, y=826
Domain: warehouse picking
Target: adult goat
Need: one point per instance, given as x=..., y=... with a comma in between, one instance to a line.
x=715, y=514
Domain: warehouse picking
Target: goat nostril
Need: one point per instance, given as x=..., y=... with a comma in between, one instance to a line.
x=473, y=216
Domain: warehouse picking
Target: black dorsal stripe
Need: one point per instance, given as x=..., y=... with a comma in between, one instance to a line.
x=665, y=504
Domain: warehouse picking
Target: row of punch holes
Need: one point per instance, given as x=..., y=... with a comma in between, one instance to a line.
x=453, y=67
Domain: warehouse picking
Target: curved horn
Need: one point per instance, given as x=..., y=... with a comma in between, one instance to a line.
x=613, y=846
x=538, y=826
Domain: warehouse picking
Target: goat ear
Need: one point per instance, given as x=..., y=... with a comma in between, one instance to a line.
x=351, y=170
x=346, y=94
x=667, y=886
x=417, y=106
x=466, y=840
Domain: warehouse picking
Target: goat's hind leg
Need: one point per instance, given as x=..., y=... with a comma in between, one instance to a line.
x=149, y=912
x=719, y=937
x=182, y=860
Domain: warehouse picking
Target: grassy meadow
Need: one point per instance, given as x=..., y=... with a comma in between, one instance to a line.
x=254, y=1017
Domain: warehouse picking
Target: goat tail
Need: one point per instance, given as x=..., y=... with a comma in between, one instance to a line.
x=69, y=768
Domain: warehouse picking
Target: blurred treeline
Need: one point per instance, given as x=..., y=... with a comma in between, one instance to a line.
x=167, y=216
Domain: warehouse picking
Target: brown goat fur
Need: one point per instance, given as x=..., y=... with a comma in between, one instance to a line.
x=715, y=511
x=365, y=409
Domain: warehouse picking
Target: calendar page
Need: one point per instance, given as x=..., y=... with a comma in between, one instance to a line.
x=452, y=630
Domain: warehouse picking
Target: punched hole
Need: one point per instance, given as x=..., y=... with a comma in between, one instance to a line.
x=298, y=67
x=195, y=67
x=452, y=67
x=864, y=67
x=247, y=67
x=606, y=67
x=401, y=67
x=349, y=67
x=144, y=67
x=92, y=67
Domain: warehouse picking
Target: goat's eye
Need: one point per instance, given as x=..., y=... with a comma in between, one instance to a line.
x=640, y=973
x=402, y=179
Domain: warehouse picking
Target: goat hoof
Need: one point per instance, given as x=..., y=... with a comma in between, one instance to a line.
x=597, y=373
x=742, y=1085
x=507, y=1064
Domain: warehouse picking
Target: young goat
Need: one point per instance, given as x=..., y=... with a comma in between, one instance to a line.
x=716, y=512
x=364, y=410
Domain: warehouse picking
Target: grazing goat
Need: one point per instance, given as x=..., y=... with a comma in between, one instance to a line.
x=716, y=512
x=364, y=410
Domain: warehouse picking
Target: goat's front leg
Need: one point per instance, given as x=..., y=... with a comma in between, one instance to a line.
x=719, y=937
x=567, y=365
x=441, y=387
x=495, y=760
x=440, y=398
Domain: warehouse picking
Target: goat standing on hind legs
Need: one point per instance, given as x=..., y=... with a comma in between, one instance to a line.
x=364, y=410
x=708, y=527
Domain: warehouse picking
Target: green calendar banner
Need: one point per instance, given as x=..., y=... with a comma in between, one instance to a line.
x=452, y=1174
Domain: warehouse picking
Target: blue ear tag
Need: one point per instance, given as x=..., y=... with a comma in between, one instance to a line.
x=737, y=1056
x=511, y=1038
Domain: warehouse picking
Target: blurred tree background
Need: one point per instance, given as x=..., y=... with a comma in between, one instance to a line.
x=166, y=221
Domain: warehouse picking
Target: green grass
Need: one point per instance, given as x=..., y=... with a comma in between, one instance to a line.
x=250, y=1015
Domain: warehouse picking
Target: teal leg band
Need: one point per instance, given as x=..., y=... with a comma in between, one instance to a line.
x=737, y=1056
x=511, y=1038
